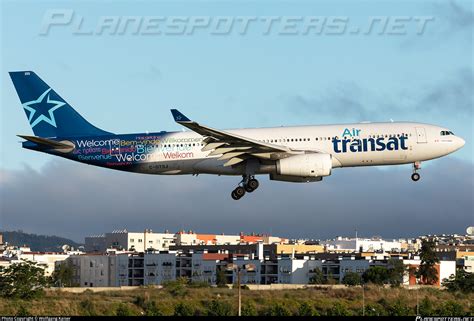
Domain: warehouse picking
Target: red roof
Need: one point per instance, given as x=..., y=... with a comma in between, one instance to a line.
x=251, y=238
x=214, y=256
x=206, y=237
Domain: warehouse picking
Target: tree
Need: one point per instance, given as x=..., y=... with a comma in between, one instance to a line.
x=22, y=312
x=152, y=310
x=177, y=287
x=376, y=275
x=306, y=310
x=183, y=309
x=278, y=310
x=317, y=277
x=339, y=309
x=87, y=307
x=221, y=279
x=426, y=307
x=462, y=281
x=123, y=310
x=24, y=280
x=63, y=276
x=396, y=272
x=427, y=272
x=329, y=279
x=219, y=308
x=398, y=308
x=249, y=309
x=450, y=308
x=352, y=278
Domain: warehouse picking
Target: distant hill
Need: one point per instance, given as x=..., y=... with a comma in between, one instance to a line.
x=42, y=243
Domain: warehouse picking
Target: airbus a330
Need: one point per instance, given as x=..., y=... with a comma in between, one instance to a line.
x=290, y=154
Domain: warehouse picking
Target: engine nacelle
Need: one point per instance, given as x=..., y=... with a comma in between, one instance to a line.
x=294, y=179
x=306, y=165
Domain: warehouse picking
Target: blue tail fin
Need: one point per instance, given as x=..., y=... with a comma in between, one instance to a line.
x=49, y=115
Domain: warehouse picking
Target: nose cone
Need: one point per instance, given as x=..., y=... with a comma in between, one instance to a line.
x=461, y=142
x=458, y=143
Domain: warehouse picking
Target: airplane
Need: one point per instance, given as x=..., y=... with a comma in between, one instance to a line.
x=289, y=154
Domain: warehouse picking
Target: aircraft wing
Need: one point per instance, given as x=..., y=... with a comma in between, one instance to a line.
x=233, y=147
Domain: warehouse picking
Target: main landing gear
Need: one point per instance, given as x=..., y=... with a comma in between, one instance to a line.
x=248, y=184
x=415, y=176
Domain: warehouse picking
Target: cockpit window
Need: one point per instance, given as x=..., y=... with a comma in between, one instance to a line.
x=446, y=133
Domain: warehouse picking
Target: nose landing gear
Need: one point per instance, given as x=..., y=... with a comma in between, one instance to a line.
x=248, y=184
x=415, y=176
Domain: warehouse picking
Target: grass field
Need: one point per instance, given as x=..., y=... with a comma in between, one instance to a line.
x=177, y=299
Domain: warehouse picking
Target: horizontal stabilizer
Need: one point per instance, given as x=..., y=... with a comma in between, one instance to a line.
x=48, y=142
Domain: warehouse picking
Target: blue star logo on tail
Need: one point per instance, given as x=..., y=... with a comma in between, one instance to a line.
x=42, y=109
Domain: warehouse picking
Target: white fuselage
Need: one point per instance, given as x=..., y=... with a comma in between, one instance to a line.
x=412, y=142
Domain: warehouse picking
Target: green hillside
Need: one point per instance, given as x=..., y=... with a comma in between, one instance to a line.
x=43, y=243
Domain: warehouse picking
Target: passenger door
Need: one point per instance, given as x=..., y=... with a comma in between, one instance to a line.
x=420, y=135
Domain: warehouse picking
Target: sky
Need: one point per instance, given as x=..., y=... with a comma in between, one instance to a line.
x=127, y=82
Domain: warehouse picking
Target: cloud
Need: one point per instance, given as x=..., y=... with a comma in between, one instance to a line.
x=458, y=17
x=454, y=93
x=452, y=26
x=343, y=98
x=75, y=200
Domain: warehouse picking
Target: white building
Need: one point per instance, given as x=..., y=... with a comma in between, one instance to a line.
x=159, y=268
x=467, y=261
x=93, y=270
x=444, y=268
x=362, y=245
x=148, y=240
x=205, y=266
x=47, y=260
x=122, y=269
x=130, y=241
x=296, y=271
x=351, y=265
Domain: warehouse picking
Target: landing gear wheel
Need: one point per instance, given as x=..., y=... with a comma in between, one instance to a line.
x=248, y=189
x=415, y=177
x=238, y=193
x=253, y=184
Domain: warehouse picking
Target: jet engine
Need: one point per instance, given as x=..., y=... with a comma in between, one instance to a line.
x=303, y=168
